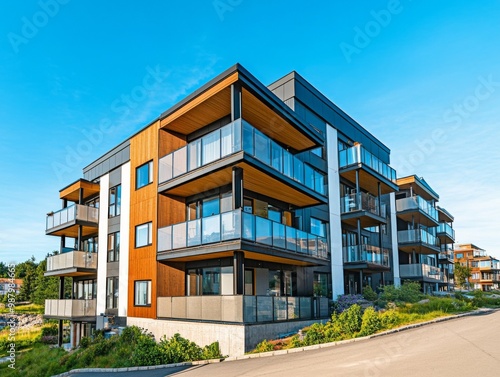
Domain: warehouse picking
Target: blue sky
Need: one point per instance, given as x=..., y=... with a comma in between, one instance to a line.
x=422, y=76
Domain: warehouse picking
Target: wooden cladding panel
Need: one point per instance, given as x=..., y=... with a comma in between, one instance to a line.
x=269, y=122
x=171, y=280
x=367, y=181
x=169, y=142
x=171, y=210
x=212, y=110
x=143, y=209
x=410, y=182
x=258, y=181
x=72, y=193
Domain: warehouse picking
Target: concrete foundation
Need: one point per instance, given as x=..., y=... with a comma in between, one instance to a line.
x=234, y=339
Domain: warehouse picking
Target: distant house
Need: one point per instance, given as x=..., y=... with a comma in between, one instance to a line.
x=5, y=282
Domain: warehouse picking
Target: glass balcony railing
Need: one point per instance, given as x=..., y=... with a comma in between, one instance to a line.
x=362, y=202
x=446, y=229
x=72, y=213
x=240, y=225
x=236, y=137
x=420, y=270
x=247, y=309
x=70, y=308
x=417, y=235
x=359, y=155
x=447, y=255
x=73, y=259
x=417, y=202
x=366, y=254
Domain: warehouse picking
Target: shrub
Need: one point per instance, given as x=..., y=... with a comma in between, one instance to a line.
x=350, y=320
x=50, y=329
x=407, y=292
x=212, y=351
x=84, y=342
x=264, y=346
x=369, y=294
x=344, y=302
x=370, y=322
x=178, y=349
x=49, y=339
x=147, y=352
x=389, y=319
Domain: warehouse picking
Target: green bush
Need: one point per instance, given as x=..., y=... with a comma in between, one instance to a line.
x=147, y=352
x=178, y=349
x=407, y=292
x=50, y=330
x=370, y=322
x=212, y=351
x=350, y=320
x=264, y=346
x=369, y=294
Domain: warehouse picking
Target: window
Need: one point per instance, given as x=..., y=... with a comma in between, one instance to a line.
x=90, y=245
x=143, y=235
x=318, y=227
x=114, y=247
x=318, y=151
x=142, y=293
x=459, y=256
x=85, y=289
x=144, y=175
x=115, y=200
x=112, y=293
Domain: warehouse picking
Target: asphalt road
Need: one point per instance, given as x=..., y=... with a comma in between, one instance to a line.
x=467, y=346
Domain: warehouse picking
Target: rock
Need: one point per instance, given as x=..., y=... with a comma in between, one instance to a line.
x=425, y=301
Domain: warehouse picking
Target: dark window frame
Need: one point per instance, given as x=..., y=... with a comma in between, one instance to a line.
x=149, y=166
x=148, y=293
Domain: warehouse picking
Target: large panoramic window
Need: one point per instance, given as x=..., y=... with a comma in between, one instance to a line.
x=115, y=201
x=144, y=175
x=143, y=235
x=142, y=293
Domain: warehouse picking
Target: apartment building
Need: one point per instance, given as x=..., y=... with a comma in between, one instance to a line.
x=235, y=216
x=425, y=235
x=485, y=270
x=6, y=284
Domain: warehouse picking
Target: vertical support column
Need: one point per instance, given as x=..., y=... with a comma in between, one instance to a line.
x=238, y=272
x=60, y=333
x=235, y=101
x=80, y=196
x=357, y=182
x=60, y=322
x=237, y=188
x=361, y=281
x=79, y=239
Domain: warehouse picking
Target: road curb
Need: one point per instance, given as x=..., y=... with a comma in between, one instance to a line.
x=280, y=352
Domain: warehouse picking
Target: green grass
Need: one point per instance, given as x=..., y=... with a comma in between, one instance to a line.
x=23, y=339
x=37, y=362
x=24, y=309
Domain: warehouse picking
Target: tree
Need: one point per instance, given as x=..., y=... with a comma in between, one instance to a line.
x=462, y=275
x=26, y=271
x=3, y=270
x=47, y=287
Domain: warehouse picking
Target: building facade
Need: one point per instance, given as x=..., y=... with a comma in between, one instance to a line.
x=235, y=216
x=485, y=270
x=425, y=236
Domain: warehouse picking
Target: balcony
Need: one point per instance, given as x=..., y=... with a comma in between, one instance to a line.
x=243, y=309
x=445, y=233
x=245, y=227
x=362, y=206
x=419, y=240
x=371, y=256
x=238, y=144
x=358, y=157
x=74, y=263
x=407, y=207
x=445, y=257
x=65, y=222
x=421, y=271
x=71, y=309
